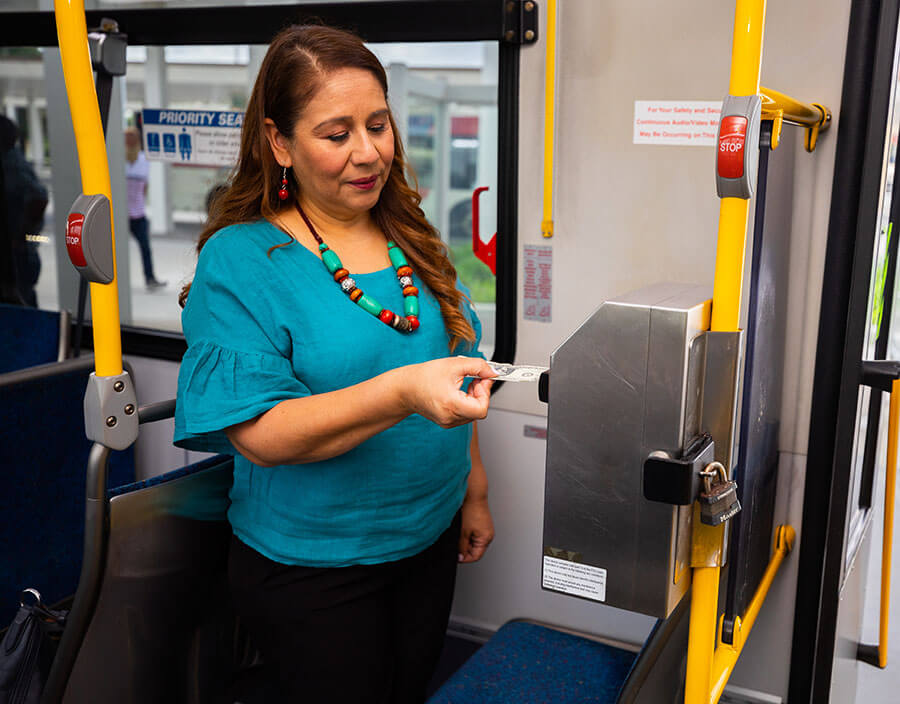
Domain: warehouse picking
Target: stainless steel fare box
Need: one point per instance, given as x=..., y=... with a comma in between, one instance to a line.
x=627, y=383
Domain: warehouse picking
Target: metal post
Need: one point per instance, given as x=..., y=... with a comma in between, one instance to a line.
x=76, y=61
x=746, y=57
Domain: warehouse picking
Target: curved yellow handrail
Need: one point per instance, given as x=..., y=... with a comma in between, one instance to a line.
x=814, y=117
x=726, y=656
x=76, y=62
x=794, y=111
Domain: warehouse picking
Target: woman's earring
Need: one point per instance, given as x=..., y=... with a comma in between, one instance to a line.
x=283, y=193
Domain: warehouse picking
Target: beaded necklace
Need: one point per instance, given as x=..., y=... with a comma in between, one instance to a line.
x=404, y=275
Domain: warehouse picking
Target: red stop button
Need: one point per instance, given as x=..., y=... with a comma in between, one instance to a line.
x=74, y=227
x=732, y=138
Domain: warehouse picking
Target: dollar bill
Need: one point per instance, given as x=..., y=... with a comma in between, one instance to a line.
x=516, y=372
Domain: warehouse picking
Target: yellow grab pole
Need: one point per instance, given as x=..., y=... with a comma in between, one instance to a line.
x=704, y=611
x=549, y=119
x=76, y=62
x=726, y=305
x=746, y=47
x=746, y=57
x=890, y=486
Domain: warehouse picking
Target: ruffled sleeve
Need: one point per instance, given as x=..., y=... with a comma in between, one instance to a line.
x=237, y=365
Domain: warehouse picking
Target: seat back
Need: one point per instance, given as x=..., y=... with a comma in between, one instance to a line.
x=43, y=457
x=163, y=629
x=31, y=336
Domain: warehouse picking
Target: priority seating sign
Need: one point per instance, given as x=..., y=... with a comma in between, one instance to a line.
x=197, y=137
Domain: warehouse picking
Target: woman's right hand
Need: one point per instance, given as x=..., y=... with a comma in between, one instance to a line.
x=432, y=389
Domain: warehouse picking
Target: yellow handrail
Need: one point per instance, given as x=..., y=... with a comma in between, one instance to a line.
x=76, y=62
x=726, y=656
x=890, y=486
x=549, y=118
x=793, y=111
x=746, y=57
x=814, y=117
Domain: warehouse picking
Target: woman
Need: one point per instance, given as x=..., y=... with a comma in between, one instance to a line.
x=137, y=173
x=358, y=484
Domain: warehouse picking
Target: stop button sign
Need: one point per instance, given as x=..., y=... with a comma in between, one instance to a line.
x=732, y=138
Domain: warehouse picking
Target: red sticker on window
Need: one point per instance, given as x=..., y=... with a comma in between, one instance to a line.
x=74, y=227
x=732, y=137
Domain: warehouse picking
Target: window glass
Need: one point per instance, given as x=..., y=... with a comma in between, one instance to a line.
x=858, y=510
x=444, y=96
x=28, y=186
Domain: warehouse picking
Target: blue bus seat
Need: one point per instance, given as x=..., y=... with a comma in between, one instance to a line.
x=163, y=629
x=31, y=336
x=528, y=663
x=525, y=662
x=43, y=461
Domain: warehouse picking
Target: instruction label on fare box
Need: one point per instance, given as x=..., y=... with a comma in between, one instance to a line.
x=574, y=578
x=678, y=122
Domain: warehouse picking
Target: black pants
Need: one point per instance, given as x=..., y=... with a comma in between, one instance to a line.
x=366, y=634
x=140, y=229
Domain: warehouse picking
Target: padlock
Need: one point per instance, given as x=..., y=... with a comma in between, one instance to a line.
x=718, y=500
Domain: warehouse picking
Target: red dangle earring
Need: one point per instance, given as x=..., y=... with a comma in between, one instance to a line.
x=283, y=193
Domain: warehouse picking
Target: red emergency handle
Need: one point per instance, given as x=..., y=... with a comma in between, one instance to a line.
x=485, y=251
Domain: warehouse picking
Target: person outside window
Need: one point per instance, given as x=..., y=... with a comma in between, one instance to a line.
x=137, y=172
x=25, y=199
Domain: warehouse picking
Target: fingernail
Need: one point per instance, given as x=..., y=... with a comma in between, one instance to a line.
x=461, y=558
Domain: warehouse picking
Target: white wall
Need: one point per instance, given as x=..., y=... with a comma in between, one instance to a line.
x=630, y=215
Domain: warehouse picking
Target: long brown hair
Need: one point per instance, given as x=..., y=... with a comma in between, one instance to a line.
x=298, y=60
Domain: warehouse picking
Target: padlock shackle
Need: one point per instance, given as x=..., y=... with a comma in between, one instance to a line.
x=711, y=470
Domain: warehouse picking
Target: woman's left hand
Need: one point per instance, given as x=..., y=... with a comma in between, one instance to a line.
x=477, y=529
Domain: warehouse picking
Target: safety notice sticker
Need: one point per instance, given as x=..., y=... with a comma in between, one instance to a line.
x=197, y=137
x=574, y=578
x=679, y=122
x=537, y=261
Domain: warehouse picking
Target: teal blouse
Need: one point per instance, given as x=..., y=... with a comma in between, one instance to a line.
x=262, y=328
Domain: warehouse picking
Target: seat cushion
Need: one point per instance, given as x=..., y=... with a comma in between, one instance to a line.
x=525, y=663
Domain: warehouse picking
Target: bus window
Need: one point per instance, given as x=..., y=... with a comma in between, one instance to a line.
x=444, y=97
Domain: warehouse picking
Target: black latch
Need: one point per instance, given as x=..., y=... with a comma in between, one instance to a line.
x=544, y=386
x=677, y=480
x=520, y=21
x=880, y=374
